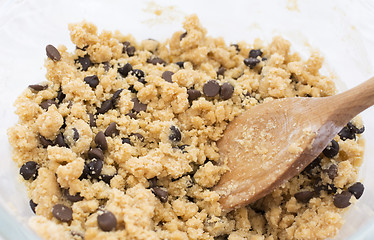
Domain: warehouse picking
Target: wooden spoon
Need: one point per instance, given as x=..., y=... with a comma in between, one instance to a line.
x=272, y=142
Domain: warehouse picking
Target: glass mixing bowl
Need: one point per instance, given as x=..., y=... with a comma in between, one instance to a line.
x=341, y=30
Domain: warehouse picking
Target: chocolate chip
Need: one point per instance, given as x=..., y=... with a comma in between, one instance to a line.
x=138, y=106
x=62, y=212
x=304, y=196
x=332, y=171
x=330, y=188
x=251, y=62
x=161, y=194
x=221, y=71
x=332, y=149
x=131, y=115
x=111, y=130
x=45, y=142
x=175, y=134
x=316, y=163
x=180, y=64
x=357, y=189
x=183, y=35
x=152, y=182
x=60, y=141
x=237, y=48
x=156, y=60
x=167, y=76
x=47, y=103
x=106, y=66
x=93, y=81
x=116, y=96
x=142, y=80
x=346, y=133
x=100, y=140
x=84, y=174
x=105, y=106
x=106, y=178
x=126, y=140
x=92, y=120
x=124, y=71
x=355, y=129
x=138, y=136
x=211, y=88
x=106, y=221
x=125, y=45
x=72, y=198
x=138, y=73
x=182, y=147
x=29, y=170
x=341, y=200
x=96, y=153
x=76, y=134
x=94, y=168
x=130, y=51
x=37, y=87
x=254, y=53
x=32, y=205
x=226, y=91
x=85, y=62
x=60, y=96
x=193, y=94
x=53, y=53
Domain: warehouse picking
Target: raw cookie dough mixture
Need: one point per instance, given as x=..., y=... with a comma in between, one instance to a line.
x=120, y=141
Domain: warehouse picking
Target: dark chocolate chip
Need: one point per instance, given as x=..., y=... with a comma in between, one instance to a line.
x=221, y=71
x=131, y=115
x=45, y=142
x=264, y=59
x=106, y=178
x=106, y=221
x=93, y=81
x=100, y=140
x=180, y=64
x=193, y=94
x=47, y=103
x=341, y=200
x=76, y=134
x=62, y=212
x=138, y=73
x=237, y=48
x=161, y=194
x=156, y=60
x=182, y=147
x=96, y=153
x=332, y=149
x=254, y=53
x=106, y=66
x=138, y=106
x=183, y=35
x=92, y=120
x=332, y=171
x=111, y=130
x=304, y=196
x=60, y=141
x=138, y=136
x=84, y=174
x=211, y=88
x=37, y=87
x=72, y=198
x=124, y=71
x=355, y=129
x=105, y=106
x=142, y=80
x=32, y=205
x=251, y=62
x=116, y=96
x=125, y=45
x=94, y=168
x=126, y=140
x=357, y=189
x=60, y=96
x=29, y=170
x=152, y=182
x=53, y=53
x=130, y=51
x=226, y=91
x=330, y=188
x=346, y=133
x=175, y=134
x=316, y=163
x=85, y=62
x=167, y=76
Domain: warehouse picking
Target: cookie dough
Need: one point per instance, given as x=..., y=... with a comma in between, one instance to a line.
x=120, y=141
